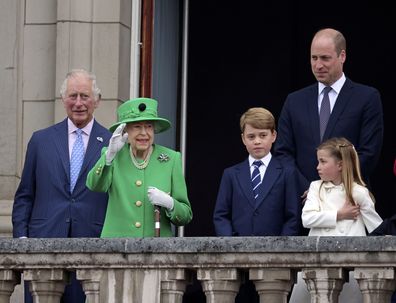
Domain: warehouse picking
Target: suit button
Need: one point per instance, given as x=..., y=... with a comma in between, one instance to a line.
x=138, y=203
x=99, y=170
x=138, y=224
x=138, y=183
x=73, y=200
x=68, y=220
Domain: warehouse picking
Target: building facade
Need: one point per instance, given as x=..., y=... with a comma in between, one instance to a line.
x=42, y=41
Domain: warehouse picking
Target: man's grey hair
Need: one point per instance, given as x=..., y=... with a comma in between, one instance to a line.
x=89, y=75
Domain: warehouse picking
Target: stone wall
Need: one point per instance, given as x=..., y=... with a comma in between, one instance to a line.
x=43, y=40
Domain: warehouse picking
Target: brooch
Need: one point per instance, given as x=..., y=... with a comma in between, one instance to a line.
x=163, y=158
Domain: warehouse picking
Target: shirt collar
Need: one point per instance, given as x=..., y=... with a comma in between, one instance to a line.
x=329, y=185
x=86, y=129
x=336, y=86
x=266, y=159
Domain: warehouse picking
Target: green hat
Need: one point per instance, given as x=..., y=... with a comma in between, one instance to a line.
x=140, y=109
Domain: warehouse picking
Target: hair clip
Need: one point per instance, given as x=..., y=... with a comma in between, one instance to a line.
x=346, y=145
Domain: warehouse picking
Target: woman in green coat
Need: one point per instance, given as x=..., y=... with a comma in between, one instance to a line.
x=140, y=175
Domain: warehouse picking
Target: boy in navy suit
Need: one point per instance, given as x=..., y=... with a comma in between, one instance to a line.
x=269, y=206
x=259, y=196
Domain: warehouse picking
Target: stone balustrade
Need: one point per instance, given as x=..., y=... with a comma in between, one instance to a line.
x=159, y=269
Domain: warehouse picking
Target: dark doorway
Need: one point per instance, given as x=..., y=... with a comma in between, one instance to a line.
x=253, y=53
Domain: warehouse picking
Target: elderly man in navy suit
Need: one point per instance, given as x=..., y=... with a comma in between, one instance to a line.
x=52, y=201
x=354, y=112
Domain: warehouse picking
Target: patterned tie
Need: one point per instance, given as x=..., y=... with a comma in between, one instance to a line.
x=256, y=178
x=76, y=160
x=324, y=113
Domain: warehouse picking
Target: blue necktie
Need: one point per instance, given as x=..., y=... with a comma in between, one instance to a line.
x=256, y=178
x=76, y=159
x=324, y=112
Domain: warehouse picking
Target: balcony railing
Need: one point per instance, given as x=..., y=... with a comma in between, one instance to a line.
x=159, y=269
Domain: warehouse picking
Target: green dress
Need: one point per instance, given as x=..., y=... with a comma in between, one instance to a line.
x=129, y=212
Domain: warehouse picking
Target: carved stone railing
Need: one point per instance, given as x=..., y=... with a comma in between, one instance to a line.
x=159, y=269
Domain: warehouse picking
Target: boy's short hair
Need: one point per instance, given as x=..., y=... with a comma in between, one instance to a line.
x=258, y=117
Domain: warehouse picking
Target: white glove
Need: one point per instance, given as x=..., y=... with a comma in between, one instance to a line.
x=160, y=198
x=117, y=141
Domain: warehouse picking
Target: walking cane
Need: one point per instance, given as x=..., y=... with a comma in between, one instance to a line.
x=157, y=219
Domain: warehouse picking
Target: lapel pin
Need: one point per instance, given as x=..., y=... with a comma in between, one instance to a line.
x=99, y=139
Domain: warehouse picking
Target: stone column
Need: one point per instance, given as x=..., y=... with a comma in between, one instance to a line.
x=272, y=284
x=46, y=285
x=96, y=36
x=173, y=285
x=219, y=285
x=8, y=280
x=90, y=280
x=376, y=284
x=324, y=284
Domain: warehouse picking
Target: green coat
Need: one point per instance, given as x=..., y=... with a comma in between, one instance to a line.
x=129, y=212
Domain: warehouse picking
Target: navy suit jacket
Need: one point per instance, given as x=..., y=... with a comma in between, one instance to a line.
x=277, y=211
x=357, y=116
x=44, y=206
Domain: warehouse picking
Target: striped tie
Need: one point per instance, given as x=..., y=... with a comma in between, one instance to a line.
x=256, y=178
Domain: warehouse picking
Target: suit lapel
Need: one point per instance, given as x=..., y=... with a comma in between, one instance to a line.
x=342, y=101
x=244, y=179
x=61, y=140
x=95, y=144
x=313, y=112
x=96, y=141
x=272, y=173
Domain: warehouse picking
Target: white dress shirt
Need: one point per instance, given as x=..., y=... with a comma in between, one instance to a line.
x=266, y=160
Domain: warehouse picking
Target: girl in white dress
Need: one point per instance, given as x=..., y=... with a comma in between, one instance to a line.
x=337, y=205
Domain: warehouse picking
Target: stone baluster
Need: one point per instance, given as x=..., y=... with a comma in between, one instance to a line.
x=324, y=284
x=173, y=285
x=273, y=284
x=90, y=280
x=46, y=285
x=8, y=280
x=130, y=285
x=219, y=285
x=376, y=284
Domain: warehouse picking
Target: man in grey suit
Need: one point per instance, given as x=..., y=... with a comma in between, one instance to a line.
x=355, y=112
x=46, y=204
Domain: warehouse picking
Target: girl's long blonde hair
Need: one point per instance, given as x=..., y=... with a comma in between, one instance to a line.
x=343, y=150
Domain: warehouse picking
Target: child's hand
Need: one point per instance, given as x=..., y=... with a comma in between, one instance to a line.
x=348, y=212
x=304, y=197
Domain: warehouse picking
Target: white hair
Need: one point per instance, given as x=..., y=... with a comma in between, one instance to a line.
x=89, y=75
